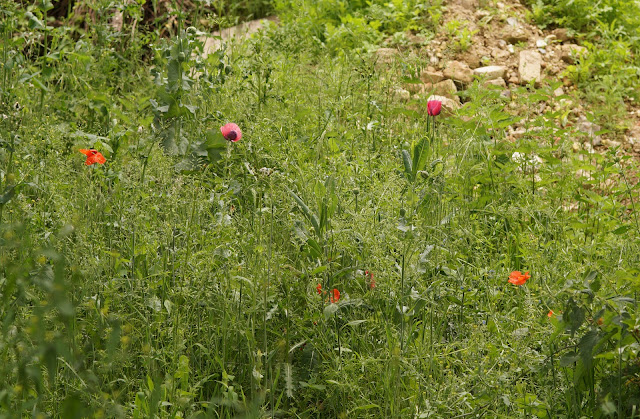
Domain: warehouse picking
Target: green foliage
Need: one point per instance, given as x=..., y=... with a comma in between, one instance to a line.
x=182, y=281
x=611, y=31
x=344, y=25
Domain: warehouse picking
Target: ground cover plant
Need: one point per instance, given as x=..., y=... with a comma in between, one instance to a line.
x=269, y=231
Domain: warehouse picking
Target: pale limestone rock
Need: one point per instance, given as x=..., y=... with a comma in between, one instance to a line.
x=446, y=88
x=500, y=54
x=530, y=66
x=401, y=94
x=430, y=76
x=491, y=72
x=611, y=143
x=514, y=35
x=496, y=82
x=458, y=71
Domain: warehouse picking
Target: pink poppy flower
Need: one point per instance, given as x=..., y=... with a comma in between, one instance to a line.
x=231, y=132
x=434, y=107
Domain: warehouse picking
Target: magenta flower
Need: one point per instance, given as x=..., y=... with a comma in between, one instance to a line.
x=231, y=132
x=434, y=107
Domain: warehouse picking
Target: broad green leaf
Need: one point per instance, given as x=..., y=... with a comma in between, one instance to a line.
x=408, y=167
x=330, y=310
x=8, y=193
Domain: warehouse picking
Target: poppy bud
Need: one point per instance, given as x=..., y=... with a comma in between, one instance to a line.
x=434, y=107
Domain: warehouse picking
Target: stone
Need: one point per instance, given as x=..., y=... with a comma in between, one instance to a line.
x=541, y=43
x=585, y=126
x=513, y=32
x=471, y=58
x=530, y=66
x=590, y=129
x=449, y=105
x=527, y=163
x=431, y=76
x=117, y=21
x=496, y=82
x=458, y=71
x=610, y=143
x=491, y=72
x=558, y=92
x=500, y=54
x=446, y=88
x=401, y=94
x=561, y=34
x=570, y=52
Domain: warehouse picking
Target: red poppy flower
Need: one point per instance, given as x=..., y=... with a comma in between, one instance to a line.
x=335, y=296
x=550, y=313
x=319, y=289
x=93, y=156
x=231, y=132
x=518, y=278
x=434, y=107
x=372, y=282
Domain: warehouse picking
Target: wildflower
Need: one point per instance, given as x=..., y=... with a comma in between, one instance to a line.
x=518, y=278
x=434, y=107
x=335, y=296
x=550, y=314
x=93, y=156
x=372, y=282
x=231, y=132
x=319, y=289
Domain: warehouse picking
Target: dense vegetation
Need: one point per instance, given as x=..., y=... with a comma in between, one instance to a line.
x=349, y=256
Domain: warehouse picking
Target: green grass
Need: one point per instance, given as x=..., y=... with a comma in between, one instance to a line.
x=179, y=279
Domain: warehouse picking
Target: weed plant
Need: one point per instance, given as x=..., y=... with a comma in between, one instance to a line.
x=194, y=277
